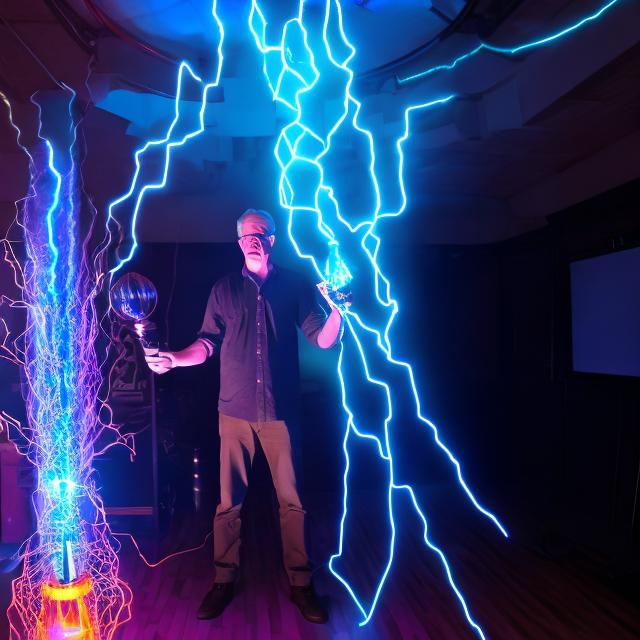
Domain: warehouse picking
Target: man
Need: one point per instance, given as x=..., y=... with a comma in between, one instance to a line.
x=251, y=321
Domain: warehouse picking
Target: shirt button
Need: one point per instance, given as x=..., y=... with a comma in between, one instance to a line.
x=258, y=380
x=259, y=297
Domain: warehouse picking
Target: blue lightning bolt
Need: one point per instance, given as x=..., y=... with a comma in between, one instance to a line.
x=171, y=140
x=533, y=44
x=50, y=213
x=301, y=151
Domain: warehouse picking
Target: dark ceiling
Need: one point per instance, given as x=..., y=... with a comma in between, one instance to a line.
x=532, y=133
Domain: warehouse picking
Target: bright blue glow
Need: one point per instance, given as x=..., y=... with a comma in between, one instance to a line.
x=168, y=142
x=336, y=272
x=58, y=363
x=511, y=51
x=62, y=376
x=63, y=486
x=301, y=152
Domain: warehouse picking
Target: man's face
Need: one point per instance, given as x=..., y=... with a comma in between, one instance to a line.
x=255, y=246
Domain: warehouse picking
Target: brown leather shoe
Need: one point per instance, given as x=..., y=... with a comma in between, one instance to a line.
x=216, y=600
x=306, y=599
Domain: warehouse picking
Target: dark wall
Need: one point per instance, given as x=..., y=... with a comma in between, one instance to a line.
x=574, y=438
x=489, y=331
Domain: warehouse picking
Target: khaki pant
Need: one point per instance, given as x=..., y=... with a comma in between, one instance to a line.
x=237, y=449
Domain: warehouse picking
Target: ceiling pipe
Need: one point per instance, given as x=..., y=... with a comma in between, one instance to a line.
x=83, y=35
x=123, y=34
x=31, y=52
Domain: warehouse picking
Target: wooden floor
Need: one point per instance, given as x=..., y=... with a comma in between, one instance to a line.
x=514, y=592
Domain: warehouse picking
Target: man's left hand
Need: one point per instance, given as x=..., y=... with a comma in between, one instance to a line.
x=339, y=299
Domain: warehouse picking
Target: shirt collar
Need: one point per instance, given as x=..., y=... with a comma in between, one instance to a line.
x=273, y=269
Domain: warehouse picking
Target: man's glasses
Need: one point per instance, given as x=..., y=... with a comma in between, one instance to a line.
x=262, y=237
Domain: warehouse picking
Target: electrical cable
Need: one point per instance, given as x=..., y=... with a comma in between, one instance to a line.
x=32, y=53
x=61, y=11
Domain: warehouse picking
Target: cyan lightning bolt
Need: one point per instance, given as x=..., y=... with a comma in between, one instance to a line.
x=179, y=132
x=302, y=152
x=512, y=51
x=302, y=149
x=57, y=351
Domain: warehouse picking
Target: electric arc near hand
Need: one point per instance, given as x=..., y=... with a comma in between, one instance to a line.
x=340, y=299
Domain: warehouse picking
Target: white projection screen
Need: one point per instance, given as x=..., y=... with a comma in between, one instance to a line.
x=605, y=313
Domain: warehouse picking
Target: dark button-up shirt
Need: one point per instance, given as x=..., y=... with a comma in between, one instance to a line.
x=252, y=325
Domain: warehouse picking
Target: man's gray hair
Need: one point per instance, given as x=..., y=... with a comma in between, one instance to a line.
x=262, y=218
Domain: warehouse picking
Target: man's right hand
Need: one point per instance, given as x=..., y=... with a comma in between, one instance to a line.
x=160, y=362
